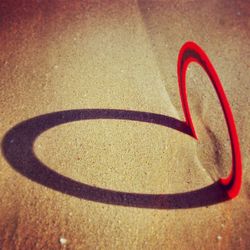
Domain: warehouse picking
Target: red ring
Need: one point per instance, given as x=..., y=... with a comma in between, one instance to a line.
x=191, y=52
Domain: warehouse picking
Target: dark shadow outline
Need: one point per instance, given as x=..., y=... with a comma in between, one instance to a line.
x=17, y=147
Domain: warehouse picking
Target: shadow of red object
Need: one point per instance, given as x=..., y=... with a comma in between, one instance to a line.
x=191, y=52
x=17, y=147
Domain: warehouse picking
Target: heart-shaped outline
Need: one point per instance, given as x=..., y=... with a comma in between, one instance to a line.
x=191, y=52
x=22, y=158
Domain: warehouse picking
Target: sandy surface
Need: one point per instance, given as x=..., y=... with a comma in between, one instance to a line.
x=118, y=178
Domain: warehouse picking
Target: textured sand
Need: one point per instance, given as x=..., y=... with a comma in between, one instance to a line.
x=69, y=55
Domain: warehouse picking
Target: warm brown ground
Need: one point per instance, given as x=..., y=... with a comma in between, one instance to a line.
x=69, y=55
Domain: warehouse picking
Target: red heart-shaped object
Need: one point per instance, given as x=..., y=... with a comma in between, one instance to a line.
x=191, y=52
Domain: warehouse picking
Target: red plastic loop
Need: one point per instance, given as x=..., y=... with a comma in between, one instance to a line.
x=191, y=52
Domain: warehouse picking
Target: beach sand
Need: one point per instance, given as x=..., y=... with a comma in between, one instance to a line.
x=114, y=168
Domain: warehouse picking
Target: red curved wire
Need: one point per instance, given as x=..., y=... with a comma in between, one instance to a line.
x=191, y=52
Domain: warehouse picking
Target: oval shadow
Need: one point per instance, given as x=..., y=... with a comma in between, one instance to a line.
x=17, y=148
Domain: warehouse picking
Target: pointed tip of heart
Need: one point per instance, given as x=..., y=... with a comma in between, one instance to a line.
x=232, y=189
